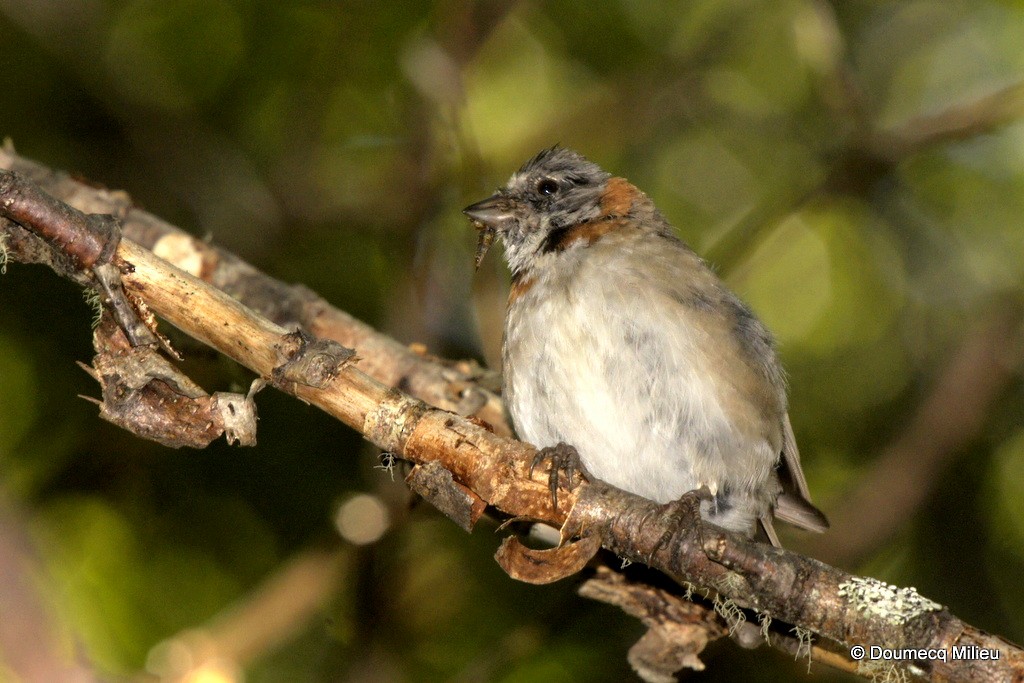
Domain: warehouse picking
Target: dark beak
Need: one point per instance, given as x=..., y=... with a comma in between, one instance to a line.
x=488, y=217
x=489, y=213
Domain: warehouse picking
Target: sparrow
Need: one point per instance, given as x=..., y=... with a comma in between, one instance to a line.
x=622, y=346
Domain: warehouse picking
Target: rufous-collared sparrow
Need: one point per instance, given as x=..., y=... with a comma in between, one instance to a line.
x=621, y=342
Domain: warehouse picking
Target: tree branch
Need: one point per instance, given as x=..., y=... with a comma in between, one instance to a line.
x=448, y=385
x=463, y=466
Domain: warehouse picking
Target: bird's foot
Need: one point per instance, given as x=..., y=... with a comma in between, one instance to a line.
x=565, y=460
x=683, y=513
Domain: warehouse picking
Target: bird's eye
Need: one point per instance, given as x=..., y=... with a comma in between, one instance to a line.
x=547, y=186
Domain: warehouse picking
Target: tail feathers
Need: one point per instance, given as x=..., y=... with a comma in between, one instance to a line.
x=794, y=509
x=769, y=530
x=794, y=503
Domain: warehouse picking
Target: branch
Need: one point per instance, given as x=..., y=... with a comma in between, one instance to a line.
x=462, y=466
x=960, y=121
x=448, y=385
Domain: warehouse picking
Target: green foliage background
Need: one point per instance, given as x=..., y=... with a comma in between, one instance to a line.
x=333, y=144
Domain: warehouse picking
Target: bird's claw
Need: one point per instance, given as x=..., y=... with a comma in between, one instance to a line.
x=680, y=512
x=563, y=458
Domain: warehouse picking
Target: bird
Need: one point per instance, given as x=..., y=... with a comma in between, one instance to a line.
x=623, y=350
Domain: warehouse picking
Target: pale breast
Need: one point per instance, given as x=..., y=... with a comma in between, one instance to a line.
x=639, y=380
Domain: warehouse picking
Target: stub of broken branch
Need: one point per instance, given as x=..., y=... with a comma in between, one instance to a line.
x=438, y=487
x=146, y=395
x=84, y=240
x=309, y=361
